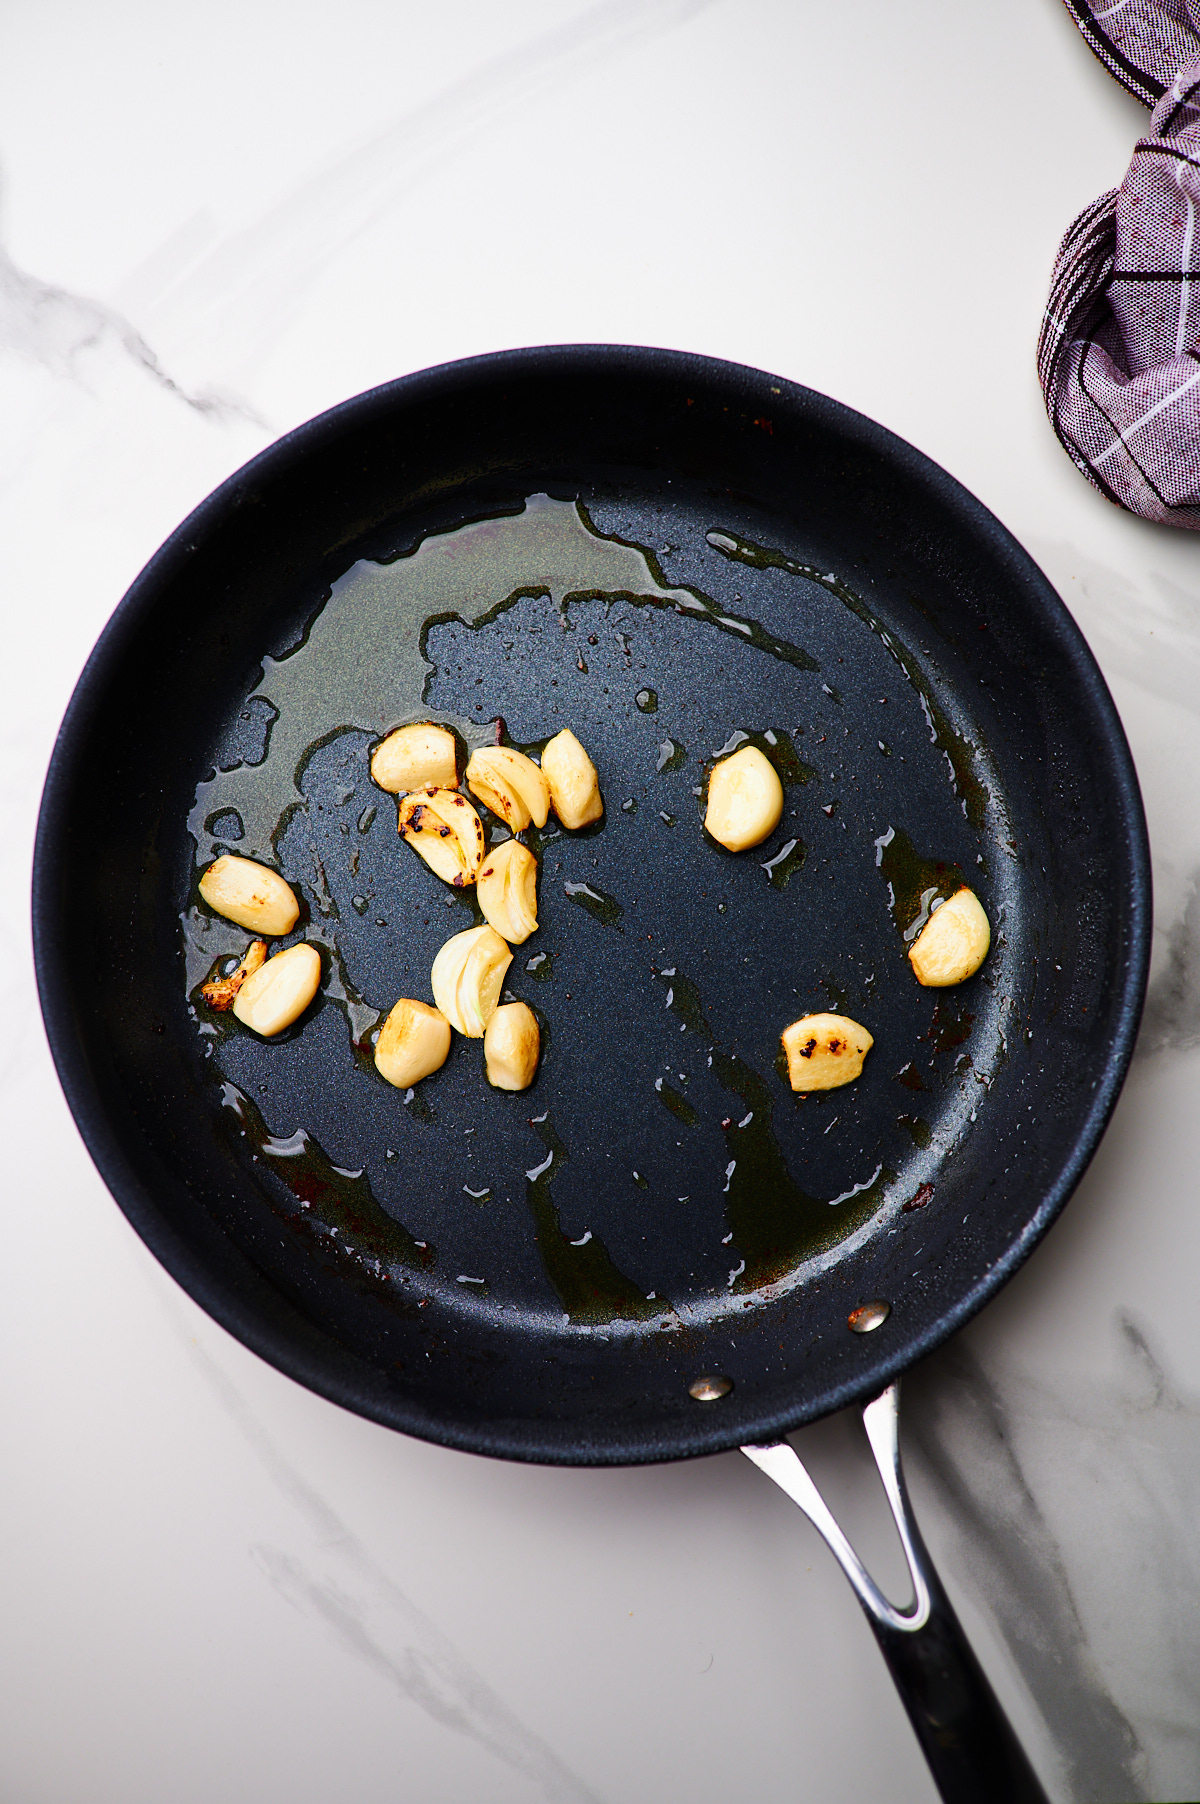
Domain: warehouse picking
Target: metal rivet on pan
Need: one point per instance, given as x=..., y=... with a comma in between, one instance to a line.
x=708, y=1389
x=868, y=1316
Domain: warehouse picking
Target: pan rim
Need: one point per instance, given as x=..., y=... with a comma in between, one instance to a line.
x=233, y=1309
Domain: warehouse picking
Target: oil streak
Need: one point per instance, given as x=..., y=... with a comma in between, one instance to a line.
x=962, y=757
x=339, y=1207
x=588, y=1284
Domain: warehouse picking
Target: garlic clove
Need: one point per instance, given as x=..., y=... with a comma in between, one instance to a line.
x=445, y=830
x=413, y=1042
x=279, y=991
x=824, y=1051
x=573, y=780
x=507, y=891
x=221, y=992
x=510, y=784
x=420, y=756
x=511, y=1047
x=252, y=895
x=953, y=942
x=745, y=799
x=467, y=977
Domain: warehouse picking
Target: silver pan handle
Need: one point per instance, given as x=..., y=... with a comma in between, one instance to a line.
x=973, y=1754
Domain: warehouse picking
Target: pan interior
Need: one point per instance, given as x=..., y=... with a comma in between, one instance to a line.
x=547, y=1275
x=660, y=1174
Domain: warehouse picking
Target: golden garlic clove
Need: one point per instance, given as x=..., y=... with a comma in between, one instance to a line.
x=510, y=784
x=250, y=894
x=444, y=828
x=574, y=784
x=511, y=1047
x=413, y=1042
x=953, y=943
x=824, y=1051
x=279, y=991
x=507, y=891
x=745, y=799
x=420, y=756
x=220, y=993
x=467, y=977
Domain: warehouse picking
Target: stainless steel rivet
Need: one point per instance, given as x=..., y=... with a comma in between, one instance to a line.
x=709, y=1388
x=868, y=1316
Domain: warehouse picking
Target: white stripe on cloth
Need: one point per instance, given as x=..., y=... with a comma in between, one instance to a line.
x=1110, y=10
x=1150, y=413
x=1185, y=262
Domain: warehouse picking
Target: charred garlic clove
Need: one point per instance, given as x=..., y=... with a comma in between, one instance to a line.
x=221, y=992
x=507, y=891
x=510, y=784
x=574, y=784
x=953, y=943
x=444, y=828
x=745, y=800
x=511, y=1047
x=250, y=894
x=824, y=1051
x=467, y=977
x=279, y=991
x=416, y=757
x=412, y=1043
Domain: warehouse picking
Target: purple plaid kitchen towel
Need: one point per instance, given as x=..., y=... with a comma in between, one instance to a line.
x=1119, y=352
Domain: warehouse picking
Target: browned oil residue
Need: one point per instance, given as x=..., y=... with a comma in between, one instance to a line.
x=947, y=1029
x=917, y=1200
x=339, y=1207
x=910, y=1077
x=588, y=1284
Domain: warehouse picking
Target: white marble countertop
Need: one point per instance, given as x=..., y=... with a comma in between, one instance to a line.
x=216, y=222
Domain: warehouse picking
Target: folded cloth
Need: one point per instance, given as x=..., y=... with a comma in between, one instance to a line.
x=1119, y=351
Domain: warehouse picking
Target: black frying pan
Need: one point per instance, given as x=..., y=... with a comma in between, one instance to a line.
x=655, y=1252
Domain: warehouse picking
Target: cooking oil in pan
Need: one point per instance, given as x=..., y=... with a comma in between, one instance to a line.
x=518, y=597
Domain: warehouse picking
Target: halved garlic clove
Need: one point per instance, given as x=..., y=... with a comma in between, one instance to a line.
x=953, y=942
x=444, y=828
x=247, y=892
x=420, y=756
x=220, y=993
x=413, y=1042
x=745, y=800
x=279, y=991
x=824, y=1051
x=510, y=784
x=507, y=891
x=511, y=1047
x=573, y=780
x=467, y=977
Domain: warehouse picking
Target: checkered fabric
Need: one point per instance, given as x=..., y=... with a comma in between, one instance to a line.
x=1119, y=352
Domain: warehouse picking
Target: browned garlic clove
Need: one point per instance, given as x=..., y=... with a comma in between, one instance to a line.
x=510, y=784
x=824, y=1051
x=953, y=943
x=279, y=991
x=745, y=799
x=252, y=895
x=219, y=994
x=507, y=891
x=445, y=830
x=511, y=1047
x=573, y=780
x=467, y=977
x=420, y=756
x=413, y=1042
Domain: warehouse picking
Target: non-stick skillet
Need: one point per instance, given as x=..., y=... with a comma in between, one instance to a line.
x=657, y=1251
